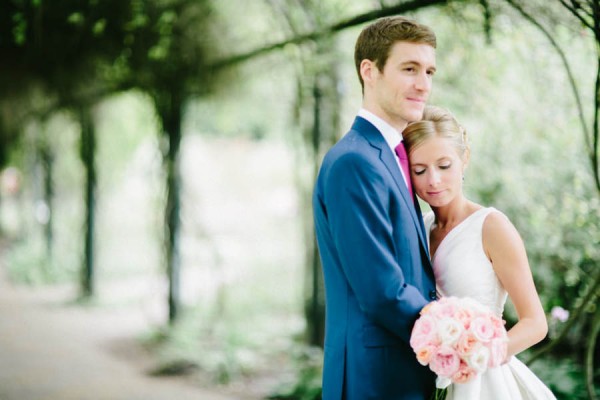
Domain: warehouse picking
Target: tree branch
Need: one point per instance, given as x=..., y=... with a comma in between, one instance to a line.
x=354, y=21
x=567, y=67
x=279, y=8
x=595, y=128
x=487, y=20
x=588, y=299
x=589, y=355
x=574, y=10
x=591, y=295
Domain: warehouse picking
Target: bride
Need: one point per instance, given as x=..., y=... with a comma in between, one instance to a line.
x=476, y=252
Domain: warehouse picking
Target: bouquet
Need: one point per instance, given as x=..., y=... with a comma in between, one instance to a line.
x=458, y=338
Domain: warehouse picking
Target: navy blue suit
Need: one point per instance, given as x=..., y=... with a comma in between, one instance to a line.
x=376, y=268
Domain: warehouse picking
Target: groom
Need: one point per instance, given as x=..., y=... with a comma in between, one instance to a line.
x=369, y=227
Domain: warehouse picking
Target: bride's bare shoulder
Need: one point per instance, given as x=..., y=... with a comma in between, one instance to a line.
x=499, y=234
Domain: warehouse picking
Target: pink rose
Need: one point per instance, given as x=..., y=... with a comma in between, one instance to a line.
x=423, y=333
x=427, y=309
x=483, y=329
x=464, y=316
x=498, y=326
x=445, y=362
x=464, y=374
x=445, y=308
x=466, y=343
x=498, y=350
x=425, y=354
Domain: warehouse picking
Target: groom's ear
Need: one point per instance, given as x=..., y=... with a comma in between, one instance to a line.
x=367, y=69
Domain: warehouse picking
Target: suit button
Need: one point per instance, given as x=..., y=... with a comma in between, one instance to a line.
x=432, y=295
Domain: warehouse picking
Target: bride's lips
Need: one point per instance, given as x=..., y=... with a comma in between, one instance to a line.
x=436, y=193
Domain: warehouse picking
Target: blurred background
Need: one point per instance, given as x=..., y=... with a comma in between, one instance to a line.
x=157, y=159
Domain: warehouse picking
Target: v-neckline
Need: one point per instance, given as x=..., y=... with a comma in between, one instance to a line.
x=437, y=249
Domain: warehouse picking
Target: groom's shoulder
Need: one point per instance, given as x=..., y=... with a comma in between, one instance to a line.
x=352, y=144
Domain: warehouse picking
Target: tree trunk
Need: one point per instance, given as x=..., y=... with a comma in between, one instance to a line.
x=1, y=201
x=170, y=109
x=47, y=160
x=88, y=153
x=314, y=300
x=320, y=132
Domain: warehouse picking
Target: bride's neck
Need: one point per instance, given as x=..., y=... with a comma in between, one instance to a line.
x=453, y=213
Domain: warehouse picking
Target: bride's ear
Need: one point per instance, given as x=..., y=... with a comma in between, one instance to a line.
x=466, y=157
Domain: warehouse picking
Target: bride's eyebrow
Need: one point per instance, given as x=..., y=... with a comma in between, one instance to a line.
x=416, y=163
x=445, y=158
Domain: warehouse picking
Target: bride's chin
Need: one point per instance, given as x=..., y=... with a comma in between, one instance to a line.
x=436, y=202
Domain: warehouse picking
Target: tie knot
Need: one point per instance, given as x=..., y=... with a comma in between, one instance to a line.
x=401, y=151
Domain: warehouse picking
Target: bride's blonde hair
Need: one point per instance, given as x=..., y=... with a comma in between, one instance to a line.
x=436, y=122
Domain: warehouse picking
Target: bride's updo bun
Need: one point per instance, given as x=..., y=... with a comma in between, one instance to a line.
x=436, y=122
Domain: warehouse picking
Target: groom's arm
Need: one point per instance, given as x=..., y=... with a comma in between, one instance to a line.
x=358, y=202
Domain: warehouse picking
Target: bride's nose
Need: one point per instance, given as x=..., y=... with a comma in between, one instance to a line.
x=433, y=178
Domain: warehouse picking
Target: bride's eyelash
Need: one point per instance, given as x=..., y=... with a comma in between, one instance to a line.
x=419, y=172
x=445, y=166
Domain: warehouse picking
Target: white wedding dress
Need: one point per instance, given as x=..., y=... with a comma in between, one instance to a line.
x=462, y=269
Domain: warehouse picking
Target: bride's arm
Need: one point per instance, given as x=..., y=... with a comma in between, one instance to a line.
x=505, y=249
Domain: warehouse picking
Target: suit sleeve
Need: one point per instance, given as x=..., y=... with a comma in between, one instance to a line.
x=358, y=201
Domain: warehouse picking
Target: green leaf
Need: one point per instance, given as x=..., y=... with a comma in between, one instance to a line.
x=99, y=27
x=20, y=29
x=76, y=18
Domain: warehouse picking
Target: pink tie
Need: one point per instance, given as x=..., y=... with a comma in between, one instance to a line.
x=401, y=153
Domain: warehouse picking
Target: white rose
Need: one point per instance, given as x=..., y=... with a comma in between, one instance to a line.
x=478, y=359
x=449, y=331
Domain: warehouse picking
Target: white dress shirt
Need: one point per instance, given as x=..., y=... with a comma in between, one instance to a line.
x=390, y=134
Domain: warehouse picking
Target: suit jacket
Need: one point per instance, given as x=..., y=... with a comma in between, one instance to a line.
x=376, y=269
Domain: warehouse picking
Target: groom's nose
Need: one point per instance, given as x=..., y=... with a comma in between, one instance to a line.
x=423, y=82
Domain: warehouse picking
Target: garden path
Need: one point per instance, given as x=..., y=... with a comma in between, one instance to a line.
x=54, y=349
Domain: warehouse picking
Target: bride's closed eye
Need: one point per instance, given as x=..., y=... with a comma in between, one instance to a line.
x=445, y=166
x=419, y=171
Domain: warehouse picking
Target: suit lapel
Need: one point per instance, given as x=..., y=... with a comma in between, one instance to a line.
x=387, y=157
x=418, y=208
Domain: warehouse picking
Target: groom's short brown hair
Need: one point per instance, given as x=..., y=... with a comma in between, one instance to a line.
x=375, y=41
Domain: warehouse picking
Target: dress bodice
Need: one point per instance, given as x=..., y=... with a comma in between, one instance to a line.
x=462, y=268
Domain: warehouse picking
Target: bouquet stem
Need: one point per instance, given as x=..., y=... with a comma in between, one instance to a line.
x=439, y=394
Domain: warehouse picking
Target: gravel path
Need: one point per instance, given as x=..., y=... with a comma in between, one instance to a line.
x=53, y=350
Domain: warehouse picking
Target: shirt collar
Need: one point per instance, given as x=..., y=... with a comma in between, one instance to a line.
x=390, y=134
